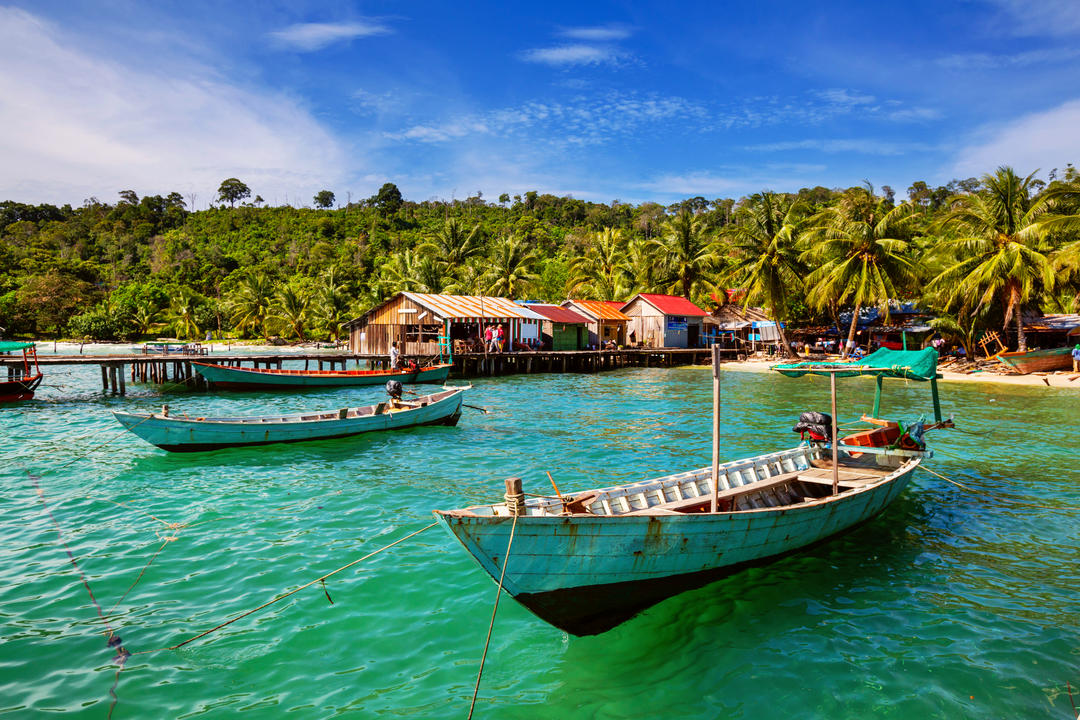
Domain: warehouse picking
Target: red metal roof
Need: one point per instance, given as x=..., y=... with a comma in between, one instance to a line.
x=557, y=313
x=670, y=304
x=601, y=309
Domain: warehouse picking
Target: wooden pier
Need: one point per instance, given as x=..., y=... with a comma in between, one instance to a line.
x=118, y=370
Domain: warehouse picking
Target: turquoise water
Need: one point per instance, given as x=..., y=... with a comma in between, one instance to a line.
x=953, y=603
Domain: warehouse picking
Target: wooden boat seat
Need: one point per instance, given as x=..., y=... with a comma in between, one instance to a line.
x=680, y=506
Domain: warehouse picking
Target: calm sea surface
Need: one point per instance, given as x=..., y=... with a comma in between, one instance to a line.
x=952, y=604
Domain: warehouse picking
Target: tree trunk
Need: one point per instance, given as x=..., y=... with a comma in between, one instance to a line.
x=785, y=346
x=851, y=332
x=1021, y=338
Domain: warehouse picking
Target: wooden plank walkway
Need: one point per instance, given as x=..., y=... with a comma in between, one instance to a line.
x=177, y=368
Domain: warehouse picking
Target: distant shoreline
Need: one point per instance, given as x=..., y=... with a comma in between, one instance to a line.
x=1055, y=380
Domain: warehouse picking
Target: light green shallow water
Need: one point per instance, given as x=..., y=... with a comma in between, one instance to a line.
x=951, y=604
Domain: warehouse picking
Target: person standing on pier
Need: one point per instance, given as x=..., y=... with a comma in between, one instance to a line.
x=395, y=356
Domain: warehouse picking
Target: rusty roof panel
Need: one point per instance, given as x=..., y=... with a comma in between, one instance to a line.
x=602, y=310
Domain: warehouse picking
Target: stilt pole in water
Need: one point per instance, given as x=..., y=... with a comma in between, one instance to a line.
x=715, y=427
x=835, y=440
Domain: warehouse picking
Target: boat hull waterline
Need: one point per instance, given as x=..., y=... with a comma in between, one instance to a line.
x=22, y=389
x=179, y=434
x=586, y=574
x=235, y=378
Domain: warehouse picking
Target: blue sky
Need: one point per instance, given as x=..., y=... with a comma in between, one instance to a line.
x=599, y=100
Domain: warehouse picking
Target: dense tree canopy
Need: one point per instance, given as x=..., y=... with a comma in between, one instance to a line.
x=978, y=251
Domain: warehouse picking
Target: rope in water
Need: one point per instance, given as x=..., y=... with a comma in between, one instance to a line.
x=114, y=641
x=491, y=625
x=281, y=597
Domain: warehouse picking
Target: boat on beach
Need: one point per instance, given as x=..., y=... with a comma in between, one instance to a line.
x=588, y=561
x=191, y=434
x=21, y=381
x=1038, y=360
x=237, y=378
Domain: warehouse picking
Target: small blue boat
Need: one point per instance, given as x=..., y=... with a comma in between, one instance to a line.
x=190, y=434
x=588, y=561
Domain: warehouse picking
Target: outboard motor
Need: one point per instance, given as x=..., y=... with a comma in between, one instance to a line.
x=818, y=425
x=393, y=389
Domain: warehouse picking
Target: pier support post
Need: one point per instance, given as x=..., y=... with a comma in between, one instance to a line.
x=104, y=378
x=123, y=385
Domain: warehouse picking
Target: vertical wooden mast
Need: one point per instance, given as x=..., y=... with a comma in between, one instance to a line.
x=835, y=439
x=715, y=426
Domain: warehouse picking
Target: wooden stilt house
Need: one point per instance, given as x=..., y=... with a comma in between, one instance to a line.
x=562, y=329
x=606, y=322
x=417, y=320
x=668, y=321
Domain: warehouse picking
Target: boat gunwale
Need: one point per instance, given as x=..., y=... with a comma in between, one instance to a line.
x=324, y=373
x=650, y=513
x=296, y=419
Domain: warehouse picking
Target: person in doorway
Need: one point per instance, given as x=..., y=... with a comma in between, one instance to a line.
x=487, y=339
x=1076, y=358
x=395, y=356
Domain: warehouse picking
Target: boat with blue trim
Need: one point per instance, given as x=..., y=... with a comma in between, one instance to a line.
x=238, y=378
x=587, y=561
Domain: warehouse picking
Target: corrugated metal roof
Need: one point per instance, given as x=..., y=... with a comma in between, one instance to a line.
x=559, y=314
x=670, y=304
x=469, y=307
x=601, y=309
x=1066, y=323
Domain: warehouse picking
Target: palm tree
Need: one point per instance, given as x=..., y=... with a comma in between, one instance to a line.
x=332, y=303
x=859, y=248
x=251, y=304
x=964, y=326
x=182, y=314
x=410, y=270
x=997, y=247
x=600, y=274
x=511, y=268
x=685, y=252
x=765, y=258
x=144, y=317
x=453, y=245
x=292, y=309
x=642, y=267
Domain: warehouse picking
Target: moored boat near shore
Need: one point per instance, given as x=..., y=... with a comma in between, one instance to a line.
x=20, y=382
x=187, y=434
x=589, y=561
x=1038, y=360
x=237, y=378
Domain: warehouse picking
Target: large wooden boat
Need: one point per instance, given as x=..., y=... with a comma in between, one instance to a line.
x=189, y=434
x=21, y=381
x=1038, y=360
x=236, y=378
x=589, y=561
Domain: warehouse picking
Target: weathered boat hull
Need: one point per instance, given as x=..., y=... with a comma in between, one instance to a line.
x=177, y=434
x=22, y=389
x=586, y=574
x=234, y=378
x=1038, y=360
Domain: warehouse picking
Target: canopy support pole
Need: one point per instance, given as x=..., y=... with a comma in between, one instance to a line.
x=877, y=396
x=715, y=426
x=937, y=402
x=835, y=439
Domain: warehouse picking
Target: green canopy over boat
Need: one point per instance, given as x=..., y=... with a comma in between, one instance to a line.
x=906, y=364
x=12, y=345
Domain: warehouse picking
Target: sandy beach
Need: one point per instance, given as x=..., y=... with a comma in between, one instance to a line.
x=1066, y=380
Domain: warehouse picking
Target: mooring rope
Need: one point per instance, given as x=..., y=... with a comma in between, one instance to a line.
x=491, y=625
x=281, y=597
x=114, y=641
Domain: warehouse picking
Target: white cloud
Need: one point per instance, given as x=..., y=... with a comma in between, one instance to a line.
x=1042, y=17
x=576, y=54
x=1039, y=140
x=844, y=97
x=986, y=61
x=73, y=124
x=859, y=146
x=913, y=114
x=308, y=37
x=584, y=122
x=601, y=33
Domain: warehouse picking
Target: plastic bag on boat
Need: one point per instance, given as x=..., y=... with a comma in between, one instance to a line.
x=393, y=389
x=816, y=418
